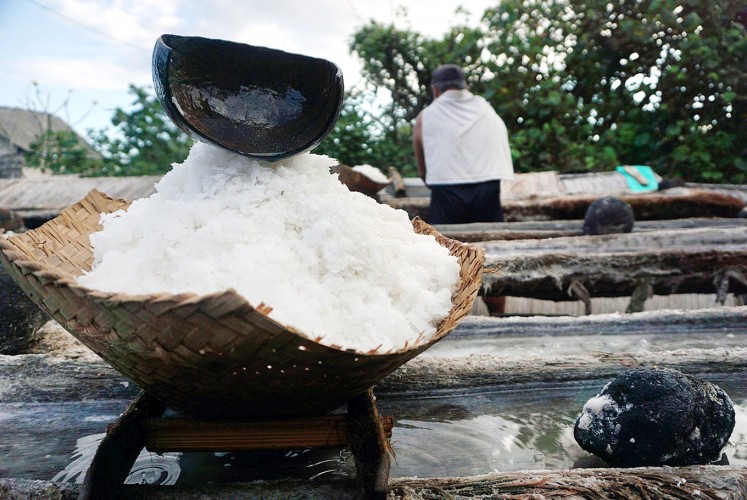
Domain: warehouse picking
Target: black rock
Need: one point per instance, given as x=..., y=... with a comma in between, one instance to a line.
x=19, y=316
x=608, y=215
x=656, y=417
x=10, y=221
x=671, y=182
x=742, y=213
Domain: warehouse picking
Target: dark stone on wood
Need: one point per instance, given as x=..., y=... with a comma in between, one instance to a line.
x=656, y=417
x=10, y=221
x=19, y=316
x=608, y=215
x=671, y=182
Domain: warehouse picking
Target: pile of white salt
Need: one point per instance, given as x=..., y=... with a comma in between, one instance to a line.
x=329, y=262
x=372, y=173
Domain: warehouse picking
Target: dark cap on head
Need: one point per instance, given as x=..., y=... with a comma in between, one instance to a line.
x=449, y=75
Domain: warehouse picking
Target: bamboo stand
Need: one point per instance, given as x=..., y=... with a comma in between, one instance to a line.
x=143, y=425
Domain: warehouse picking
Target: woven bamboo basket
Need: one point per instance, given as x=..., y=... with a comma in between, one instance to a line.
x=214, y=355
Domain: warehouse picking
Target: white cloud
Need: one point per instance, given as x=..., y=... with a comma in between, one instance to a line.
x=85, y=75
x=131, y=22
x=97, y=47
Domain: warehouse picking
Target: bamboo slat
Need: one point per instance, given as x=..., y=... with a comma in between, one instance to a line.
x=181, y=434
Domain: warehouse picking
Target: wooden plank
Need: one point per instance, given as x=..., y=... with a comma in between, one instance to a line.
x=181, y=434
x=642, y=483
x=706, y=482
x=736, y=190
x=492, y=231
x=532, y=185
x=398, y=183
x=665, y=262
x=422, y=375
x=715, y=320
x=523, y=306
x=662, y=205
x=48, y=196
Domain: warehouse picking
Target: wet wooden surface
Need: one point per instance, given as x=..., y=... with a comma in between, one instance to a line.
x=708, y=260
x=46, y=378
x=43, y=377
x=711, y=481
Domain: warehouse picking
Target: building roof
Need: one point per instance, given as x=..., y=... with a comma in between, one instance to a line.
x=48, y=196
x=22, y=126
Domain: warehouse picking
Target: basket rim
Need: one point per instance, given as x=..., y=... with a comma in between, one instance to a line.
x=11, y=255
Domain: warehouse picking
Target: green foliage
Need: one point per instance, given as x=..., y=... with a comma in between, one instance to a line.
x=59, y=152
x=351, y=140
x=399, y=63
x=146, y=142
x=583, y=85
x=359, y=139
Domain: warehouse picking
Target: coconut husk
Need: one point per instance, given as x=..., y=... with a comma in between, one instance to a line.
x=205, y=355
x=356, y=181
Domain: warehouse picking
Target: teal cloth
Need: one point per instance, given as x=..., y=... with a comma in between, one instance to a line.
x=646, y=172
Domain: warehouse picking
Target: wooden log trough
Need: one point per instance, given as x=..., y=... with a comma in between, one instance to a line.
x=710, y=260
x=537, y=230
x=670, y=204
x=686, y=483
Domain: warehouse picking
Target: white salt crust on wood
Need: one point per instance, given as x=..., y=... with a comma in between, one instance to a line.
x=372, y=173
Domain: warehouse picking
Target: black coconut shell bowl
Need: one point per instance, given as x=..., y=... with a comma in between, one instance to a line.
x=259, y=102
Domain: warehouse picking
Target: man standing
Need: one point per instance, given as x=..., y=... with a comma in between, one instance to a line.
x=461, y=147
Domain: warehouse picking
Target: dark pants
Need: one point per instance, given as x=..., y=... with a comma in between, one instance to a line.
x=465, y=203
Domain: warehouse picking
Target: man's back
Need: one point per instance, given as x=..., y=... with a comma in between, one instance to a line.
x=464, y=140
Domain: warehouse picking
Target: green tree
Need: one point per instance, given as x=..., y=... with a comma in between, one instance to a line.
x=585, y=85
x=351, y=141
x=362, y=136
x=398, y=63
x=56, y=148
x=60, y=152
x=146, y=142
x=650, y=80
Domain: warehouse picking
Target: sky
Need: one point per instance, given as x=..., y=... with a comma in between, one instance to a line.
x=86, y=53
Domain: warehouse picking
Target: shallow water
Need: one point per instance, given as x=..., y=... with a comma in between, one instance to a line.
x=443, y=434
x=528, y=427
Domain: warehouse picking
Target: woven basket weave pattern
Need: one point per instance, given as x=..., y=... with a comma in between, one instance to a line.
x=212, y=355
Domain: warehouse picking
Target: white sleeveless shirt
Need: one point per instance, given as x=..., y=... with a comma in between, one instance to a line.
x=464, y=140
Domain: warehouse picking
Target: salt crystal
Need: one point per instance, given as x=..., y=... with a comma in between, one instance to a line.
x=598, y=404
x=372, y=173
x=329, y=262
